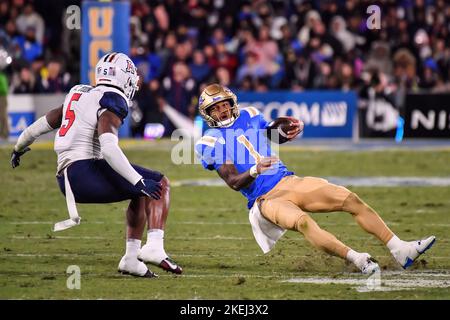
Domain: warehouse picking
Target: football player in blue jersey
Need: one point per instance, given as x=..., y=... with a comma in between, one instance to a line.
x=237, y=146
x=93, y=169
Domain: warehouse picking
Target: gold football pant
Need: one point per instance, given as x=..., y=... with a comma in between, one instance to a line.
x=289, y=201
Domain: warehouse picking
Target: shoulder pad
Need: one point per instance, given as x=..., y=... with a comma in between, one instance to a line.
x=210, y=141
x=252, y=111
x=85, y=88
x=115, y=103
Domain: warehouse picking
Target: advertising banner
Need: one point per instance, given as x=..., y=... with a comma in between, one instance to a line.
x=326, y=114
x=378, y=117
x=427, y=115
x=21, y=113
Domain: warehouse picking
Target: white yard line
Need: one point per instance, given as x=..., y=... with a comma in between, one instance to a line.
x=413, y=280
x=34, y=255
x=214, y=237
x=53, y=222
x=56, y=237
x=48, y=255
x=214, y=223
x=59, y=237
x=370, y=181
x=123, y=222
x=442, y=242
x=187, y=255
x=368, y=285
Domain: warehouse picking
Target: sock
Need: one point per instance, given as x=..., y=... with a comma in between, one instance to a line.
x=352, y=256
x=155, y=239
x=133, y=246
x=394, y=243
x=155, y=234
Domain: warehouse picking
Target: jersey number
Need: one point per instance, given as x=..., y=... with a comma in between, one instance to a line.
x=251, y=149
x=70, y=115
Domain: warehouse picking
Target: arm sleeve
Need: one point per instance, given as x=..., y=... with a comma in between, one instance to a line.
x=117, y=159
x=30, y=134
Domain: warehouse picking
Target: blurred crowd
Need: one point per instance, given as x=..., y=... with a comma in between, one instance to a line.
x=181, y=45
x=45, y=56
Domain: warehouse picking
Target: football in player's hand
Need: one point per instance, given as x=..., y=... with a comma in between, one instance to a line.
x=289, y=127
x=286, y=125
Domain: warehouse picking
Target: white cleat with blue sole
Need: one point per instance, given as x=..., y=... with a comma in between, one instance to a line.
x=411, y=250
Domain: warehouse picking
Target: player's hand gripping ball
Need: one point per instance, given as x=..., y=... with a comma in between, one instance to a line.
x=290, y=127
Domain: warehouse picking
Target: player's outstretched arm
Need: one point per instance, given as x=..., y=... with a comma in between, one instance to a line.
x=49, y=122
x=236, y=180
x=108, y=125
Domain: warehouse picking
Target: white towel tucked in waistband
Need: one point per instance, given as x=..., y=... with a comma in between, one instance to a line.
x=71, y=207
x=266, y=233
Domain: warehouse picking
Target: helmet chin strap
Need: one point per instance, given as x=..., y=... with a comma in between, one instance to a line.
x=227, y=123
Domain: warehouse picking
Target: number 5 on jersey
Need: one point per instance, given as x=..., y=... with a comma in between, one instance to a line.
x=69, y=116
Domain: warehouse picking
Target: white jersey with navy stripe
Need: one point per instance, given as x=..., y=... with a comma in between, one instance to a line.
x=77, y=138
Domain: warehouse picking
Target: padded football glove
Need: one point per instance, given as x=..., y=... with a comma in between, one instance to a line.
x=149, y=188
x=15, y=157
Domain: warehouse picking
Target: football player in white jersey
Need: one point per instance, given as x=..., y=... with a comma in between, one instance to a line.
x=96, y=169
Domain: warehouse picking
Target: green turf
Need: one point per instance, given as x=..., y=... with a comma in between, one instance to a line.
x=209, y=236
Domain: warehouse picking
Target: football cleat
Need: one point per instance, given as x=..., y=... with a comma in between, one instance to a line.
x=159, y=258
x=411, y=250
x=367, y=264
x=170, y=266
x=134, y=267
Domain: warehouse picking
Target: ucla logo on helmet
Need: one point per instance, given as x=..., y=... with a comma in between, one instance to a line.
x=201, y=100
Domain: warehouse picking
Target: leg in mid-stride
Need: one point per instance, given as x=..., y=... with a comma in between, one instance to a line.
x=157, y=212
x=106, y=186
x=286, y=204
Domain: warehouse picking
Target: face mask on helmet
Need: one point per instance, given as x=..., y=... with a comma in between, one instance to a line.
x=131, y=87
x=222, y=113
x=213, y=110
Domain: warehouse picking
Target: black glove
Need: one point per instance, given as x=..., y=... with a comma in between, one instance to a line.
x=149, y=188
x=15, y=157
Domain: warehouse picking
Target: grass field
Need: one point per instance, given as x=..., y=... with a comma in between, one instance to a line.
x=209, y=235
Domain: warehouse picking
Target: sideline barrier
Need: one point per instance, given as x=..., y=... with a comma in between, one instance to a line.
x=326, y=114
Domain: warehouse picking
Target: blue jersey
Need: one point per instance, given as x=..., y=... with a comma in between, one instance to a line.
x=243, y=143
